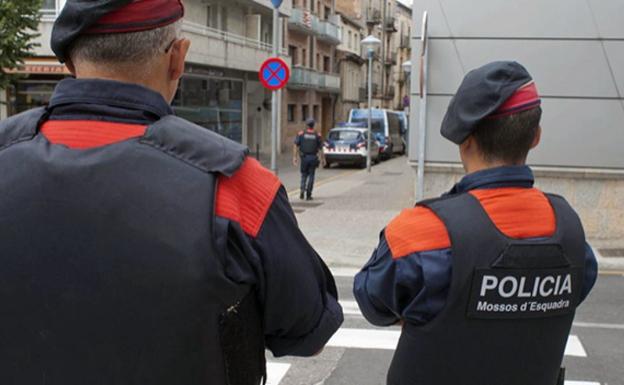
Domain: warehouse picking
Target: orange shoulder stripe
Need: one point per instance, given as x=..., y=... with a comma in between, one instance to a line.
x=414, y=230
x=518, y=212
x=246, y=197
x=84, y=134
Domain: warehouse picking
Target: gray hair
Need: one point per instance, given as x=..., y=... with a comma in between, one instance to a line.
x=125, y=48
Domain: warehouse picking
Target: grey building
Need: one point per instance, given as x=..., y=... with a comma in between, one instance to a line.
x=575, y=51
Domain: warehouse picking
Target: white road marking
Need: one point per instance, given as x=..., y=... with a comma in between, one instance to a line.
x=275, y=372
x=581, y=383
x=351, y=308
x=598, y=325
x=365, y=339
x=574, y=347
x=344, y=272
x=388, y=339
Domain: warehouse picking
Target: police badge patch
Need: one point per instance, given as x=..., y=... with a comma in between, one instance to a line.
x=522, y=293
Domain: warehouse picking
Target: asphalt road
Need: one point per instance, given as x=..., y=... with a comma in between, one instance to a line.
x=360, y=354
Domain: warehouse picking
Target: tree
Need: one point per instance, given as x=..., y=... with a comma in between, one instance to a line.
x=19, y=21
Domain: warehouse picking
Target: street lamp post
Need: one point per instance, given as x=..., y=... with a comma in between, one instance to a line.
x=370, y=43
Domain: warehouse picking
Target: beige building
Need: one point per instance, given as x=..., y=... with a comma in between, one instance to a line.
x=352, y=67
x=401, y=41
x=312, y=35
x=220, y=90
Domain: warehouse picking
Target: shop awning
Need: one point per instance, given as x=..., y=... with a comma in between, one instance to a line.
x=41, y=67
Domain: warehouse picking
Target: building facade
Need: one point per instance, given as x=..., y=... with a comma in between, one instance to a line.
x=220, y=89
x=312, y=35
x=352, y=67
x=573, y=49
x=402, y=43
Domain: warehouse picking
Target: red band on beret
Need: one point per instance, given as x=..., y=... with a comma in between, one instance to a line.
x=139, y=15
x=525, y=98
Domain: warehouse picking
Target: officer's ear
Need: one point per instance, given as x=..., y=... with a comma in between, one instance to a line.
x=538, y=137
x=179, y=50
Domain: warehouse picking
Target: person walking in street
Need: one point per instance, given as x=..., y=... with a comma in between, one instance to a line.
x=137, y=247
x=308, y=152
x=485, y=279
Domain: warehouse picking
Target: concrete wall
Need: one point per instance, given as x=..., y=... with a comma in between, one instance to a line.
x=562, y=43
x=575, y=51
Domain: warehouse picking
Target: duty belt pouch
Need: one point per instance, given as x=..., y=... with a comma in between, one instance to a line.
x=242, y=342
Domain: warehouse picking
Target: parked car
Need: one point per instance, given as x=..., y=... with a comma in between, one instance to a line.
x=347, y=145
x=386, y=127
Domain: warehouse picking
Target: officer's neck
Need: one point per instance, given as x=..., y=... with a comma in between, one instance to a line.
x=478, y=164
x=119, y=74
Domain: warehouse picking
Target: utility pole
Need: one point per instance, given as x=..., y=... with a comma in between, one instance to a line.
x=274, y=96
x=383, y=53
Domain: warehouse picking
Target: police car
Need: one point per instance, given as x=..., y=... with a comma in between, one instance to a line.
x=347, y=145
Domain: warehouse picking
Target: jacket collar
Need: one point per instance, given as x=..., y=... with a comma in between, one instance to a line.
x=506, y=176
x=109, y=93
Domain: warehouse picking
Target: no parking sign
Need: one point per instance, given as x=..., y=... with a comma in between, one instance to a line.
x=274, y=73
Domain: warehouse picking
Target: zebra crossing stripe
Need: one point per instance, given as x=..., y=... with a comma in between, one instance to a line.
x=574, y=347
x=275, y=372
x=581, y=383
x=350, y=308
x=388, y=339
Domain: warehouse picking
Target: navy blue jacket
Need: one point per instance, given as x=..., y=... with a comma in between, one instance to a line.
x=255, y=225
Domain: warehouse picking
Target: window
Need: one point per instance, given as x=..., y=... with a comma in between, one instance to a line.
x=327, y=64
x=213, y=103
x=327, y=13
x=304, y=54
x=349, y=39
x=317, y=117
x=305, y=113
x=292, y=52
x=291, y=112
x=318, y=62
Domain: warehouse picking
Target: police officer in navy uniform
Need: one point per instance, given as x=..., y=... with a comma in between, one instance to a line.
x=308, y=150
x=485, y=279
x=137, y=247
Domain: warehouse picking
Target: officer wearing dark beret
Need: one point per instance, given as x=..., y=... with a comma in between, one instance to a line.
x=485, y=279
x=308, y=153
x=137, y=247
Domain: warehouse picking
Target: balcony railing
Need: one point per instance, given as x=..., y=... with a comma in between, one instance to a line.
x=303, y=20
x=309, y=79
x=373, y=16
x=330, y=82
x=228, y=37
x=328, y=31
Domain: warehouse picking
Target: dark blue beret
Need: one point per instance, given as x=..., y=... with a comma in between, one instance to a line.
x=481, y=94
x=110, y=16
x=76, y=17
x=310, y=122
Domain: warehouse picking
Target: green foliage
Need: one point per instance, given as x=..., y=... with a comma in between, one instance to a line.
x=19, y=22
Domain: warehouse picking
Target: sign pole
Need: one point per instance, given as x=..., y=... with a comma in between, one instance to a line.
x=274, y=98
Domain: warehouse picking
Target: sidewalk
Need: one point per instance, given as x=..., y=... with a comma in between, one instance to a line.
x=351, y=207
